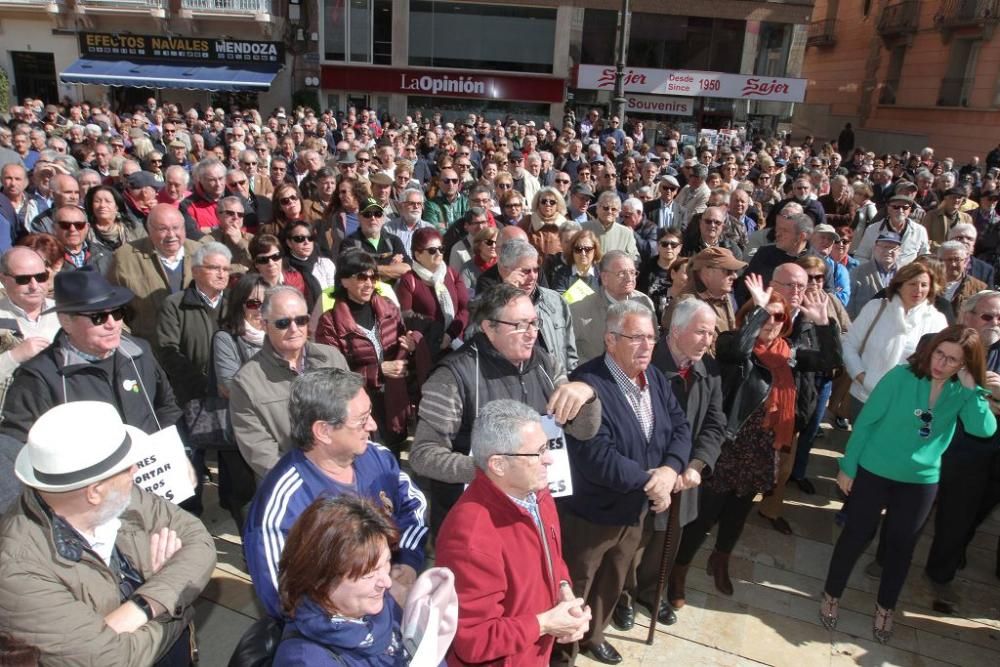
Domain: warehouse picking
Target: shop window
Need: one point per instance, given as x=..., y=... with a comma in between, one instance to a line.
x=595, y=46
x=360, y=29
x=474, y=36
x=456, y=109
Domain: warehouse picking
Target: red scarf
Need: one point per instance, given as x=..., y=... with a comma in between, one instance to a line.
x=780, y=406
x=482, y=264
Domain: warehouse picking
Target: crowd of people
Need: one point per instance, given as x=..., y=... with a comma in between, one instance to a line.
x=562, y=356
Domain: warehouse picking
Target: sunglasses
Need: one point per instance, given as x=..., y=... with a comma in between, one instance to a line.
x=301, y=238
x=235, y=214
x=253, y=304
x=364, y=277
x=284, y=201
x=670, y=244
x=285, y=322
x=926, y=417
x=900, y=207
x=490, y=242
x=778, y=317
x=433, y=251
x=266, y=259
x=816, y=278
x=449, y=180
x=97, y=319
x=584, y=249
x=842, y=242
x=371, y=214
x=66, y=226
x=27, y=278
x=547, y=202
x=236, y=183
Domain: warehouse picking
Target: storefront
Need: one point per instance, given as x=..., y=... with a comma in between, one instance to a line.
x=454, y=93
x=218, y=66
x=716, y=99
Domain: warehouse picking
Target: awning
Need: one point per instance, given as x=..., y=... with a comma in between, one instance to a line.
x=230, y=78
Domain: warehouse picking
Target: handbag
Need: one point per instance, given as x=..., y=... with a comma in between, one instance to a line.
x=207, y=421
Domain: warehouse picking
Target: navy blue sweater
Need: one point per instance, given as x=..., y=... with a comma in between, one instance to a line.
x=610, y=470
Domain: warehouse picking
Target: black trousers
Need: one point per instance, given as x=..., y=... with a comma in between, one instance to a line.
x=727, y=509
x=179, y=654
x=964, y=500
x=907, y=507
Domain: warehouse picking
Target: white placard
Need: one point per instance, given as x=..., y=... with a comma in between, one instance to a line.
x=166, y=470
x=560, y=479
x=692, y=83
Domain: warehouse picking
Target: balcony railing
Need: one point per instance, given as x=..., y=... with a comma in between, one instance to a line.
x=954, y=92
x=228, y=6
x=899, y=19
x=124, y=4
x=963, y=13
x=822, y=33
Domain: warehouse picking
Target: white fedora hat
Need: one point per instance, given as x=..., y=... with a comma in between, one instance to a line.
x=76, y=444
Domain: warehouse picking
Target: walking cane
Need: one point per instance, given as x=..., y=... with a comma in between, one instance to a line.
x=664, y=566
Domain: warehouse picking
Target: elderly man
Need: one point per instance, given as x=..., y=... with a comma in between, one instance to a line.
x=25, y=282
x=712, y=274
x=90, y=359
x=94, y=570
x=259, y=182
x=711, y=233
x=618, y=279
x=662, y=210
x=65, y=191
x=698, y=387
x=912, y=235
x=792, y=233
x=258, y=400
x=154, y=267
x=175, y=186
x=410, y=218
x=449, y=205
x=822, y=242
x=643, y=230
x=496, y=539
x=611, y=234
x=501, y=360
x=629, y=468
x=959, y=285
x=231, y=231
x=977, y=268
x=693, y=197
x=258, y=208
x=739, y=221
x=964, y=499
x=140, y=195
x=71, y=229
x=518, y=266
x=947, y=214
x=873, y=276
x=383, y=246
x=802, y=194
x=474, y=220
x=331, y=454
x=199, y=208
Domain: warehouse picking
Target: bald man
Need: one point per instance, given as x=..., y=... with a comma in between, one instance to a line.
x=154, y=267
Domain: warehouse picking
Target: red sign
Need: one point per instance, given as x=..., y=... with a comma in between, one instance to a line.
x=444, y=83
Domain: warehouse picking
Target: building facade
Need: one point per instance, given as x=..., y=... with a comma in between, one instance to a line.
x=905, y=73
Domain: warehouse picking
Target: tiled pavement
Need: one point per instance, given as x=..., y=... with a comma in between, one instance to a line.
x=772, y=617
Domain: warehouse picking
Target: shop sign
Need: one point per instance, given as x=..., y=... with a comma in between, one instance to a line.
x=157, y=47
x=438, y=83
x=660, y=104
x=691, y=83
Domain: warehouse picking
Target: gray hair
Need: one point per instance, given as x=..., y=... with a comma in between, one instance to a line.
x=618, y=311
x=608, y=197
x=497, y=429
x=962, y=228
x=86, y=172
x=612, y=255
x=320, y=395
x=790, y=209
x=803, y=223
x=211, y=248
x=174, y=168
x=972, y=302
x=203, y=166
x=226, y=201
x=684, y=312
x=632, y=204
x=514, y=251
x=569, y=227
x=274, y=292
x=409, y=191
x=952, y=246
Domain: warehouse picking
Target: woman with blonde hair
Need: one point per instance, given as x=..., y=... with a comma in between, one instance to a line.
x=548, y=213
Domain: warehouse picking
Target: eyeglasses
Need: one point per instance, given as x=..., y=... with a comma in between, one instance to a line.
x=285, y=201
x=610, y=209
x=235, y=214
x=795, y=287
x=900, y=207
x=541, y=452
x=433, y=251
x=926, y=417
x=265, y=259
x=233, y=184
x=842, y=242
x=66, y=226
x=97, y=319
x=27, y=278
x=627, y=274
x=636, y=339
x=490, y=242
x=581, y=249
x=547, y=202
x=371, y=214
x=670, y=244
x=520, y=327
x=449, y=180
x=285, y=322
x=816, y=277
x=356, y=425
x=253, y=304
x=302, y=238
x=364, y=277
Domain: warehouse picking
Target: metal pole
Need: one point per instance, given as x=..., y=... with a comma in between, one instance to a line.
x=618, y=103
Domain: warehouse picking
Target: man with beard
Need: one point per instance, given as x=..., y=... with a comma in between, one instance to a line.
x=410, y=218
x=93, y=569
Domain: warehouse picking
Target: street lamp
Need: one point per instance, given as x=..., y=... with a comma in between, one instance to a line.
x=618, y=103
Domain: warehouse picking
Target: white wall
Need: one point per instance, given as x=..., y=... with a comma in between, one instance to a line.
x=34, y=33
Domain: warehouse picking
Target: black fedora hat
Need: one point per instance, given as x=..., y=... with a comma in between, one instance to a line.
x=85, y=290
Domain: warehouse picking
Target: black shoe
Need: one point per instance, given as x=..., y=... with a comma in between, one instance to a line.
x=604, y=652
x=666, y=615
x=779, y=524
x=623, y=617
x=806, y=486
x=841, y=423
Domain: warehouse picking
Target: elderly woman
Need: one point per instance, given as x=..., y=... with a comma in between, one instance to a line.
x=432, y=297
x=368, y=329
x=109, y=225
x=886, y=331
x=511, y=207
x=334, y=587
x=270, y=262
x=579, y=263
x=484, y=257
x=302, y=254
x=759, y=401
x=654, y=274
x=548, y=213
x=893, y=461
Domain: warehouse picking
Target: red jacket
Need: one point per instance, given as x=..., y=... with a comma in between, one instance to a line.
x=501, y=575
x=414, y=294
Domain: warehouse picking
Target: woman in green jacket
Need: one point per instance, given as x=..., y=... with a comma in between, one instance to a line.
x=893, y=460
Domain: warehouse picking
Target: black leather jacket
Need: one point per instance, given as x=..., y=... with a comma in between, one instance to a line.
x=746, y=382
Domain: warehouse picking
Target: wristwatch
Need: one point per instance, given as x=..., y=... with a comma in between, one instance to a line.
x=143, y=604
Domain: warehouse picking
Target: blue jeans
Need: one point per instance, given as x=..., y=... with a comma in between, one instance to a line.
x=824, y=387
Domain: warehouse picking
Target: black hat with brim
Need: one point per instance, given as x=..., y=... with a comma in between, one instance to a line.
x=85, y=290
